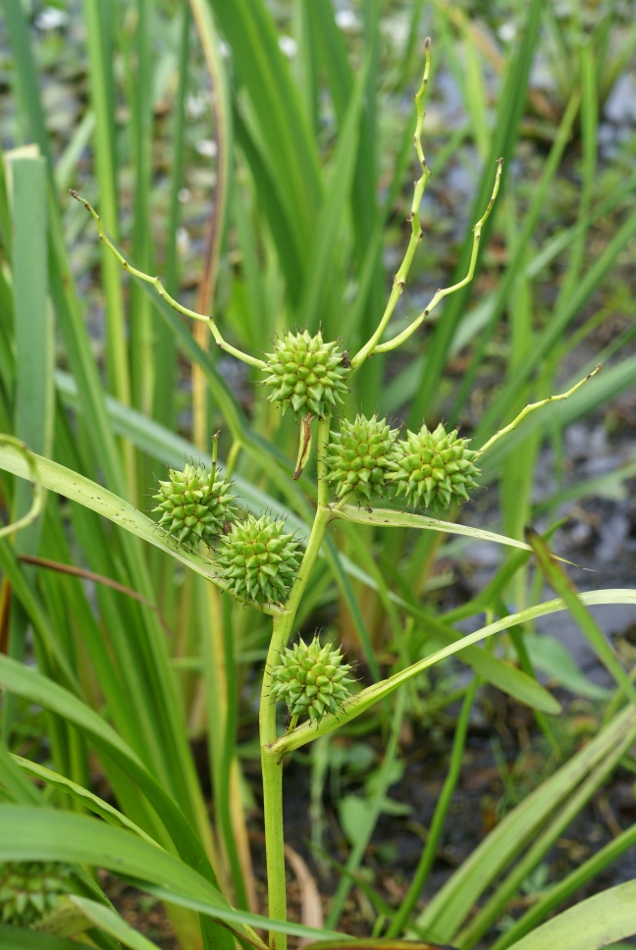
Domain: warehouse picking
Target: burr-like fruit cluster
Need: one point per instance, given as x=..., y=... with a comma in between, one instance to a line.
x=306, y=374
x=258, y=561
x=312, y=679
x=29, y=890
x=195, y=504
x=359, y=456
x=433, y=469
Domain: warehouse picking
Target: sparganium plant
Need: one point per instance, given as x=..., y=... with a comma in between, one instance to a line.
x=256, y=561
x=261, y=565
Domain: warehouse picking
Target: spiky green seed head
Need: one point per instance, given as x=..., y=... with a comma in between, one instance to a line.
x=433, y=469
x=29, y=890
x=312, y=679
x=358, y=457
x=195, y=504
x=258, y=560
x=306, y=374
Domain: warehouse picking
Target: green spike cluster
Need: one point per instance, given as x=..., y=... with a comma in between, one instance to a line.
x=258, y=560
x=195, y=504
x=358, y=456
x=312, y=679
x=306, y=374
x=434, y=468
x=29, y=890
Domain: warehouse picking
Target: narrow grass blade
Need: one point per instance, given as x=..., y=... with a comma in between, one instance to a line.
x=562, y=585
x=387, y=517
x=33, y=399
x=453, y=903
x=277, y=111
x=39, y=834
x=327, y=229
x=99, y=26
x=560, y=891
x=590, y=925
x=165, y=357
x=107, y=920
x=88, y=799
x=33, y=326
x=139, y=61
x=545, y=838
x=33, y=686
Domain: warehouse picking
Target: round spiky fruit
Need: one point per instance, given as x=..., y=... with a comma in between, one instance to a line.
x=195, y=504
x=434, y=468
x=29, y=890
x=312, y=679
x=307, y=374
x=358, y=456
x=258, y=560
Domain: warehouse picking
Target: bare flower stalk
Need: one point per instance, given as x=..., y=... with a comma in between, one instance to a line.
x=531, y=407
x=399, y=280
x=447, y=291
x=161, y=290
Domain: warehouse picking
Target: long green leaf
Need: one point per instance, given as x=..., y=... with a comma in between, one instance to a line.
x=14, y=938
x=391, y=518
x=590, y=925
x=31, y=685
x=562, y=585
x=282, y=126
x=40, y=834
x=82, y=795
x=109, y=921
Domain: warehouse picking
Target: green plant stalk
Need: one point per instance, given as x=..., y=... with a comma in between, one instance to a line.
x=399, y=280
x=531, y=407
x=439, y=818
x=401, y=338
x=271, y=763
x=375, y=803
x=156, y=283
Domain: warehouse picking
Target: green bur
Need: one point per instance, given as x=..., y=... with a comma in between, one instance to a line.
x=312, y=679
x=434, y=469
x=258, y=561
x=195, y=504
x=29, y=890
x=358, y=457
x=306, y=374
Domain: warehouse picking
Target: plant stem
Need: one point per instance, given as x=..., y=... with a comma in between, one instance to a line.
x=161, y=290
x=272, y=764
x=439, y=818
x=399, y=280
x=401, y=338
x=531, y=407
